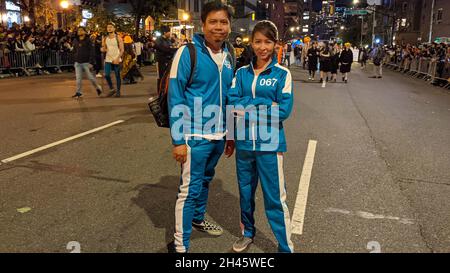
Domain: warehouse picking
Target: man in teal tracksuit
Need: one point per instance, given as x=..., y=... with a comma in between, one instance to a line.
x=264, y=101
x=197, y=120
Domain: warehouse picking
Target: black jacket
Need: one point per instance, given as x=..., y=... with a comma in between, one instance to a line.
x=164, y=52
x=84, y=51
x=346, y=56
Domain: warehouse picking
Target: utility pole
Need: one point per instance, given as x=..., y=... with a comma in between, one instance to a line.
x=430, y=35
x=362, y=29
x=373, y=26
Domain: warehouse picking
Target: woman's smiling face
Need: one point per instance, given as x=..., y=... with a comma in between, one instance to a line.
x=263, y=46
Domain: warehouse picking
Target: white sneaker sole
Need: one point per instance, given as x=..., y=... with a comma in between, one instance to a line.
x=238, y=250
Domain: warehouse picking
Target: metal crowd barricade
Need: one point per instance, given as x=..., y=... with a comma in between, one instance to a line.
x=423, y=69
x=413, y=66
x=440, y=74
x=39, y=59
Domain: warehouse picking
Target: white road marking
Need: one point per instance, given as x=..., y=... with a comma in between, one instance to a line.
x=298, y=216
x=370, y=216
x=7, y=160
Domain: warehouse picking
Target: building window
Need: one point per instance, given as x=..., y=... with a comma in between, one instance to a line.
x=439, y=15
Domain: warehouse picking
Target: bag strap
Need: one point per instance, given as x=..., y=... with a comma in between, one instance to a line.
x=193, y=56
x=232, y=54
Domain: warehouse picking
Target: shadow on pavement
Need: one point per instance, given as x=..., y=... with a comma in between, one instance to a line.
x=158, y=201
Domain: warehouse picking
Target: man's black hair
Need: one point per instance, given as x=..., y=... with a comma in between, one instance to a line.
x=216, y=5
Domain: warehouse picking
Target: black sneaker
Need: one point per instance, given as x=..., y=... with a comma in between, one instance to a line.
x=99, y=91
x=208, y=227
x=379, y=77
x=346, y=81
x=77, y=96
x=117, y=96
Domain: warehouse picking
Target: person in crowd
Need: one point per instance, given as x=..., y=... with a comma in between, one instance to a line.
x=377, y=56
x=164, y=51
x=334, y=61
x=325, y=63
x=84, y=57
x=130, y=70
x=113, y=46
x=346, y=60
x=313, y=55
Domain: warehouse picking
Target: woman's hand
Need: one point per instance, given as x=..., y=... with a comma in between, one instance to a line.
x=179, y=153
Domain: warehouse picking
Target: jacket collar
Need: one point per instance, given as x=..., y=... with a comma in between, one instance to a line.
x=273, y=63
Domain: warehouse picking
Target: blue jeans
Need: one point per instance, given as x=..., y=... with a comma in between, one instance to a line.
x=116, y=68
x=79, y=68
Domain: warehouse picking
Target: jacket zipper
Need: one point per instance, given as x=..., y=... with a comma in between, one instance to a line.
x=220, y=81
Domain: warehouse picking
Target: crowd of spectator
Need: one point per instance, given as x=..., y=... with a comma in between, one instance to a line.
x=438, y=53
x=31, y=38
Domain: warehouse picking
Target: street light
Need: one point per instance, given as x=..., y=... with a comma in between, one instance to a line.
x=342, y=27
x=185, y=19
x=355, y=2
x=64, y=5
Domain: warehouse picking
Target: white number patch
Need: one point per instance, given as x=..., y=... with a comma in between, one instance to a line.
x=268, y=82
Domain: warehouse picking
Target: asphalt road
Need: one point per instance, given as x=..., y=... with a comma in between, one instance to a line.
x=381, y=171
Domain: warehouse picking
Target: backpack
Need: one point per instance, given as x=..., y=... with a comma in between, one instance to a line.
x=159, y=107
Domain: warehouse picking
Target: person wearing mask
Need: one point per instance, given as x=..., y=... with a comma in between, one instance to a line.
x=243, y=53
x=113, y=46
x=264, y=84
x=84, y=58
x=346, y=60
x=199, y=143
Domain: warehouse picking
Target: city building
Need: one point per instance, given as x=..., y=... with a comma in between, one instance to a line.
x=440, y=25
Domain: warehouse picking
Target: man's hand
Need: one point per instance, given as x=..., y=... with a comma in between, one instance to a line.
x=229, y=148
x=179, y=153
x=90, y=66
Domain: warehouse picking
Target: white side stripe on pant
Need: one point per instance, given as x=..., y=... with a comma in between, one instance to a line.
x=281, y=181
x=179, y=207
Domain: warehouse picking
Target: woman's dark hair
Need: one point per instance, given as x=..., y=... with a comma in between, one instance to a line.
x=216, y=5
x=266, y=28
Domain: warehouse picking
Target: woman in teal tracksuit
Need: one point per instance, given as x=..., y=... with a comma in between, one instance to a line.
x=261, y=99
